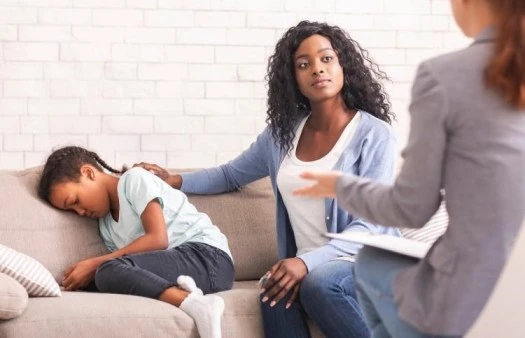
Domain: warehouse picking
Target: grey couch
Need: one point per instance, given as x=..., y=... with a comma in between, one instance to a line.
x=59, y=239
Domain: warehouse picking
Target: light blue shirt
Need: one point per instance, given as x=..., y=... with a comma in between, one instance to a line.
x=136, y=188
x=371, y=153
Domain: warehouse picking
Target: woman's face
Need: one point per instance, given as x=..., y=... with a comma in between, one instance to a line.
x=317, y=69
x=87, y=197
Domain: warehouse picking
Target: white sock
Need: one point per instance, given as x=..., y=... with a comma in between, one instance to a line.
x=206, y=311
x=187, y=283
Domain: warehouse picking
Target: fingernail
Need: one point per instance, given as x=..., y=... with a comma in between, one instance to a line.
x=264, y=299
x=288, y=306
x=262, y=291
x=272, y=303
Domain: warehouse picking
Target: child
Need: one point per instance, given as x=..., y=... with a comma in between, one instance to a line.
x=161, y=246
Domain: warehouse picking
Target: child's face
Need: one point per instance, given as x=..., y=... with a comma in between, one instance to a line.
x=87, y=197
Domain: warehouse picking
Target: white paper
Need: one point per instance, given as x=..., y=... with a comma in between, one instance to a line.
x=399, y=245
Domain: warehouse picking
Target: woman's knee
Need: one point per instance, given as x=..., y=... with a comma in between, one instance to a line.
x=276, y=310
x=326, y=284
x=321, y=285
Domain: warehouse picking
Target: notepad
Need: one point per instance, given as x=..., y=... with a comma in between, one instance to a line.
x=400, y=245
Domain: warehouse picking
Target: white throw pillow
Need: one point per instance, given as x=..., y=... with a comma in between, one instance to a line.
x=434, y=228
x=33, y=276
x=13, y=297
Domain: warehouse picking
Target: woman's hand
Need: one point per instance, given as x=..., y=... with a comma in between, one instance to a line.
x=80, y=274
x=324, y=184
x=174, y=180
x=285, y=276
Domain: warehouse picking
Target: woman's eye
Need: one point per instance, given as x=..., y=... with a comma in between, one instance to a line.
x=302, y=65
x=327, y=58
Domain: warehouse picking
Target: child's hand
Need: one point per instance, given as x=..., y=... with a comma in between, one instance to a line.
x=80, y=274
x=324, y=184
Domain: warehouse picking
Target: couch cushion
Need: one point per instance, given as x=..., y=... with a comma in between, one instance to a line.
x=432, y=230
x=55, y=238
x=83, y=314
x=13, y=297
x=247, y=218
x=32, y=275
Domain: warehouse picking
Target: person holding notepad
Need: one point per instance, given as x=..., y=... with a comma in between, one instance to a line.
x=467, y=136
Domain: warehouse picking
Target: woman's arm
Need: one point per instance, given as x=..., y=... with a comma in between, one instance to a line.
x=415, y=195
x=251, y=165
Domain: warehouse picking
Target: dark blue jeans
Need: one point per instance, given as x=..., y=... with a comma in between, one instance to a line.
x=327, y=296
x=148, y=274
x=375, y=271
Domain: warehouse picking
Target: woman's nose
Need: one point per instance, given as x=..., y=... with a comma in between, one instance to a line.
x=317, y=68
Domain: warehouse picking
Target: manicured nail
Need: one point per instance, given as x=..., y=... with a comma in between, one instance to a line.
x=264, y=299
x=272, y=303
x=262, y=291
x=288, y=306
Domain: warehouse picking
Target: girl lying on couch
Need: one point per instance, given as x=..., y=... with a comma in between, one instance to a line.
x=161, y=246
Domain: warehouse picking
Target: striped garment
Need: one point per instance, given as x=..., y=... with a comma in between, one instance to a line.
x=434, y=228
x=33, y=276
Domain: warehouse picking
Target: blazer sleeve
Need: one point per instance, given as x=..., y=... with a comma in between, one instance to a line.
x=415, y=195
x=252, y=164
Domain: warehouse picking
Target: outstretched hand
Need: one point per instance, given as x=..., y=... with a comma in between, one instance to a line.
x=324, y=184
x=154, y=169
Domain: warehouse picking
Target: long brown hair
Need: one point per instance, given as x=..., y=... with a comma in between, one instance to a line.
x=505, y=72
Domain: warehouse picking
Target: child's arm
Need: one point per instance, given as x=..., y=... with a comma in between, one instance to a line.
x=155, y=235
x=154, y=238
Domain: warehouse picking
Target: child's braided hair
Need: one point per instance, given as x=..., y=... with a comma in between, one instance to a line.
x=64, y=164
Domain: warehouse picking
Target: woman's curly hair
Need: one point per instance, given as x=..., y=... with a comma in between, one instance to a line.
x=362, y=89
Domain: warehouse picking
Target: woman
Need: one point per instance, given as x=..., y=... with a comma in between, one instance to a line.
x=467, y=136
x=326, y=110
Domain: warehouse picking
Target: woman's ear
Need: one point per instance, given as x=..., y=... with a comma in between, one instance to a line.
x=88, y=172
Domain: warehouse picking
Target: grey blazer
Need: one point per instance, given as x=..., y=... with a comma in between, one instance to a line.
x=466, y=139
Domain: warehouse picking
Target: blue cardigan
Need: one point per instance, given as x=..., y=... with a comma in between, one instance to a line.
x=371, y=153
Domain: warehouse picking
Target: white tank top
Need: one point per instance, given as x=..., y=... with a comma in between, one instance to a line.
x=307, y=215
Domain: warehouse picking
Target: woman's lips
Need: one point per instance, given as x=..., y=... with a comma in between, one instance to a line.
x=321, y=83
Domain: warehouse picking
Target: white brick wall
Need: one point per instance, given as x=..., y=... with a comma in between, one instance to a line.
x=177, y=82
